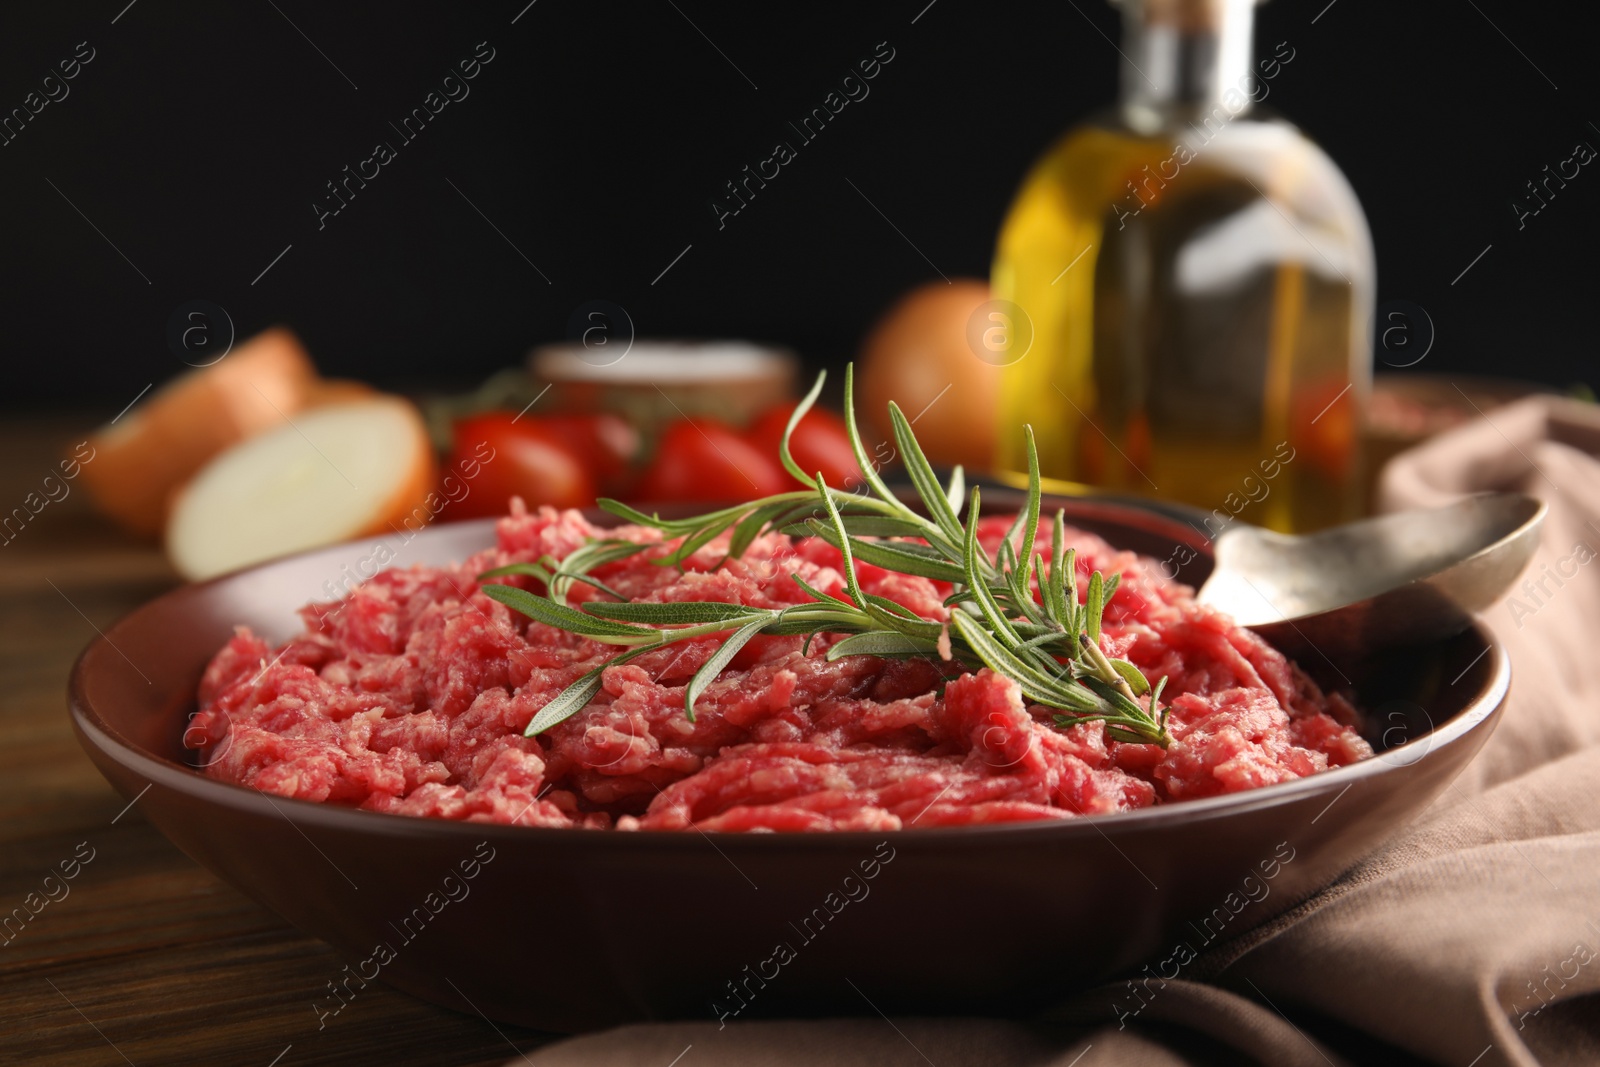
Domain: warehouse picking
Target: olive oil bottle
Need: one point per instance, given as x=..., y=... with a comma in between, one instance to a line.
x=1198, y=277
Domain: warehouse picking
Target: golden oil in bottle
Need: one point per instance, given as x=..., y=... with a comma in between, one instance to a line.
x=1198, y=277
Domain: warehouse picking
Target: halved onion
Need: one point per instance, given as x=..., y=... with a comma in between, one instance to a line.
x=328, y=475
x=161, y=443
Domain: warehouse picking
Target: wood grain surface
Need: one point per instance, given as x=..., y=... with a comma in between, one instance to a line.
x=144, y=957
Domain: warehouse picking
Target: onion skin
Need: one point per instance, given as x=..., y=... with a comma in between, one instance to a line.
x=917, y=351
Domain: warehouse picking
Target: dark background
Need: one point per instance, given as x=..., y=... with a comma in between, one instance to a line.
x=198, y=138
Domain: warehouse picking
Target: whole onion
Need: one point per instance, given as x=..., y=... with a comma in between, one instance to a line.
x=918, y=356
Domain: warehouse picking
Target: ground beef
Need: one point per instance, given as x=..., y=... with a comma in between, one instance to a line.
x=410, y=696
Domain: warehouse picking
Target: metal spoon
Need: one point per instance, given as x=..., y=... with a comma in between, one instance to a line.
x=1408, y=578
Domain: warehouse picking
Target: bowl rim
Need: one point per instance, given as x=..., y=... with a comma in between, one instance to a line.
x=185, y=779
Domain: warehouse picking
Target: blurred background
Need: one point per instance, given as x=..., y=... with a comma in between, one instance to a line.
x=418, y=198
x=586, y=157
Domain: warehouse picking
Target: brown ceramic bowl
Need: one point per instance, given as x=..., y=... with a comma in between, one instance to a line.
x=568, y=930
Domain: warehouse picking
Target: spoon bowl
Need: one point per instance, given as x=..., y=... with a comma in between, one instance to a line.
x=1403, y=579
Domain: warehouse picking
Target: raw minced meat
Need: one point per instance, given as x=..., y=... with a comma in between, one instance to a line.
x=411, y=695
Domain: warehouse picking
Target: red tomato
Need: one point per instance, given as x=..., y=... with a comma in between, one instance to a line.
x=607, y=442
x=820, y=443
x=1324, y=418
x=497, y=455
x=705, y=460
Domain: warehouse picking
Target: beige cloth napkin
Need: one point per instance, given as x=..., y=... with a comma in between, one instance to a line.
x=1471, y=940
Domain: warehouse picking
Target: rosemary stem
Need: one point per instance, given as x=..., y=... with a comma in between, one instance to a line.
x=1103, y=668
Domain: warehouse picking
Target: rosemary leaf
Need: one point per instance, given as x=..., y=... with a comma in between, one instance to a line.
x=842, y=543
x=747, y=529
x=575, y=697
x=578, y=563
x=696, y=541
x=869, y=470
x=1017, y=585
x=719, y=659
x=633, y=514
x=532, y=570
x=686, y=612
x=983, y=597
x=1133, y=676
x=1119, y=701
x=922, y=477
x=1030, y=530
x=1094, y=606
x=880, y=526
x=795, y=416
x=1155, y=701
x=956, y=492
x=826, y=598
x=1047, y=591
x=787, y=625
x=882, y=643
x=1067, y=590
x=544, y=610
x=906, y=557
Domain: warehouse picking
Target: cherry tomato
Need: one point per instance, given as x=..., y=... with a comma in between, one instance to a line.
x=1324, y=417
x=498, y=455
x=707, y=461
x=820, y=443
x=606, y=442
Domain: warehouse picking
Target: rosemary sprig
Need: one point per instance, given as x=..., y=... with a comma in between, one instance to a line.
x=1048, y=644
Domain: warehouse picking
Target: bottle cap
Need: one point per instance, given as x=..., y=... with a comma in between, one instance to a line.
x=1185, y=16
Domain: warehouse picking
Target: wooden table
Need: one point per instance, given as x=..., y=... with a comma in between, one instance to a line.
x=147, y=958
